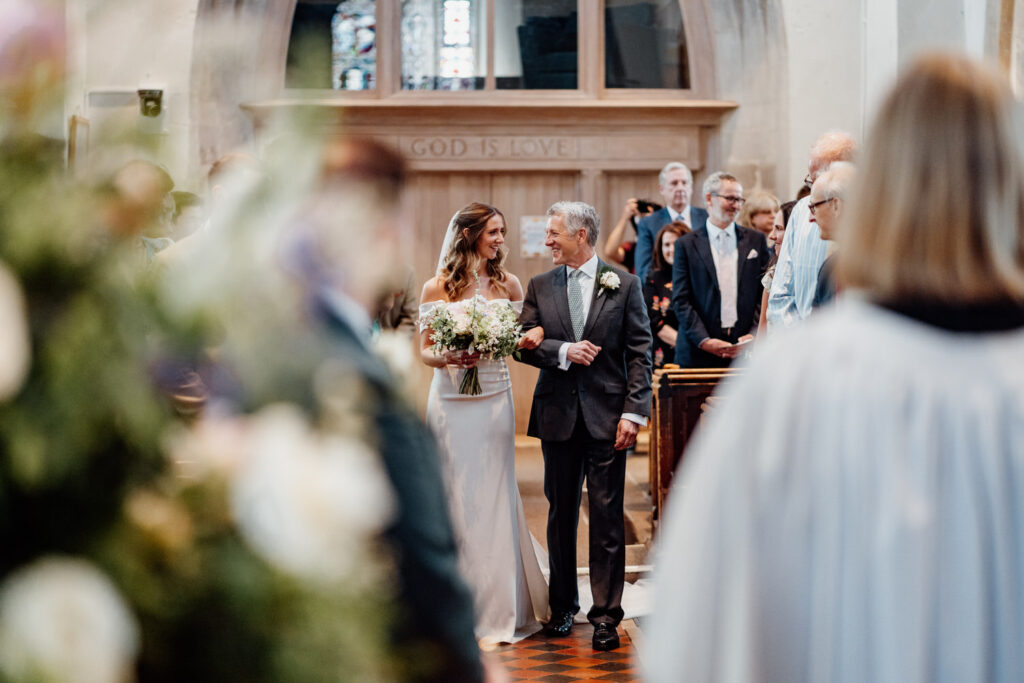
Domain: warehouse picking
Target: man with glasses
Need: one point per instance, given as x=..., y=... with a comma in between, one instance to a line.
x=716, y=280
x=803, y=251
x=675, y=183
x=826, y=204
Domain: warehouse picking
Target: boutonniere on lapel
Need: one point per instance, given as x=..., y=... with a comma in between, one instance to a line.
x=608, y=280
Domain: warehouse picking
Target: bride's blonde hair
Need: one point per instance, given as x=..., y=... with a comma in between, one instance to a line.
x=459, y=268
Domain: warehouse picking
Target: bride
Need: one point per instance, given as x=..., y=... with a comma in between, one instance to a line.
x=477, y=438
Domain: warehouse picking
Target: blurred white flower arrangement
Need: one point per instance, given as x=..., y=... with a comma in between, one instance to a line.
x=62, y=619
x=15, y=346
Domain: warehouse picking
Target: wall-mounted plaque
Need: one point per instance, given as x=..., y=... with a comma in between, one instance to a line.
x=531, y=232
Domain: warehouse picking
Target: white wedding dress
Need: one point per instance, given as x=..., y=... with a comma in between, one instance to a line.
x=476, y=435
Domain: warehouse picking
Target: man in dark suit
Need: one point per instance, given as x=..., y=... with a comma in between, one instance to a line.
x=675, y=183
x=433, y=628
x=716, y=280
x=592, y=396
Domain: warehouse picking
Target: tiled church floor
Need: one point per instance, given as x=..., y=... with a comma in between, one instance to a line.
x=555, y=660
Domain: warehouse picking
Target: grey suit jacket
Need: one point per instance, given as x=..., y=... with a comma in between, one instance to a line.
x=619, y=379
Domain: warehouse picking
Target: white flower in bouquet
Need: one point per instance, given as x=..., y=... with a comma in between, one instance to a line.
x=213, y=445
x=309, y=502
x=489, y=327
x=61, y=619
x=15, y=343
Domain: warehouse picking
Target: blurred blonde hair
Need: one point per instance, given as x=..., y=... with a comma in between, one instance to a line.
x=758, y=202
x=937, y=211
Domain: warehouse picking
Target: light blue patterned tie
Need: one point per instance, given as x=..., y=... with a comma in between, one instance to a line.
x=576, y=303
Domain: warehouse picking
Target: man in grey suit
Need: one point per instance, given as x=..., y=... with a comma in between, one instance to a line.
x=675, y=183
x=592, y=396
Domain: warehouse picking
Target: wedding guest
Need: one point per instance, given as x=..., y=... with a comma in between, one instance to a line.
x=872, y=529
x=188, y=214
x=775, y=238
x=675, y=183
x=658, y=294
x=619, y=248
x=716, y=283
x=828, y=197
x=758, y=212
x=803, y=252
x=398, y=307
x=360, y=195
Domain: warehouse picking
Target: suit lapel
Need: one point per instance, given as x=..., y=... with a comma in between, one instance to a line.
x=703, y=244
x=596, y=300
x=744, y=243
x=560, y=296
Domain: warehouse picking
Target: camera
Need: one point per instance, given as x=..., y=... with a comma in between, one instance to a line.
x=646, y=206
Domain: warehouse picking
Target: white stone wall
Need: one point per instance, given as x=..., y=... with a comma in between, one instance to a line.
x=118, y=46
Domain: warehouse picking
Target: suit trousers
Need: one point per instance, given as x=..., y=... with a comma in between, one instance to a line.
x=565, y=465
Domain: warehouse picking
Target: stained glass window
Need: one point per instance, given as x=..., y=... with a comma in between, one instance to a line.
x=354, y=45
x=333, y=45
x=443, y=44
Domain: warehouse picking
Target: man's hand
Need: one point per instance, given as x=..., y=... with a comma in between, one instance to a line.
x=718, y=347
x=582, y=352
x=531, y=339
x=625, y=435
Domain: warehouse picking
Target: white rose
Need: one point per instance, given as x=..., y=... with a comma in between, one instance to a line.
x=214, y=444
x=62, y=619
x=309, y=502
x=609, y=280
x=15, y=343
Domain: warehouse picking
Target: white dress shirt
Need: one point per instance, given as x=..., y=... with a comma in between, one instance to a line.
x=723, y=251
x=587, y=280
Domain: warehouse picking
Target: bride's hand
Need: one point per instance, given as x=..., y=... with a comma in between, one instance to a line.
x=532, y=339
x=461, y=359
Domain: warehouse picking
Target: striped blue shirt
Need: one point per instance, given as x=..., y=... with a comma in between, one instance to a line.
x=796, y=275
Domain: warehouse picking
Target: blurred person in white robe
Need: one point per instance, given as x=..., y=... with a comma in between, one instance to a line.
x=873, y=529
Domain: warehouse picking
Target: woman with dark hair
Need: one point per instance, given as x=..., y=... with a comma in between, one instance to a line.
x=658, y=294
x=872, y=529
x=476, y=434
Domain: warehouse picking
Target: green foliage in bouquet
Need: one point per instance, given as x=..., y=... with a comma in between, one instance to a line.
x=120, y=522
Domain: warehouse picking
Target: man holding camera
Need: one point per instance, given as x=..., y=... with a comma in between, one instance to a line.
x=675, y=183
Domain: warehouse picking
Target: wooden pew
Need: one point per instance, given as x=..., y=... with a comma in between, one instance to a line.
x=680, y=398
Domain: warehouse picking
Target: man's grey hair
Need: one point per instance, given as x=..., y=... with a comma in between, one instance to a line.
x=578, y=215
x=673, y=166
x=835, y=182
x=713, y=183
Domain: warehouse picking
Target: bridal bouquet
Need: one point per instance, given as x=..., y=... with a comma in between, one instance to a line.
x=475, y=325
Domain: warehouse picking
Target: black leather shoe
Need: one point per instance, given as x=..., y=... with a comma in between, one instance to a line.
x=560, y=624
x=605, y=637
